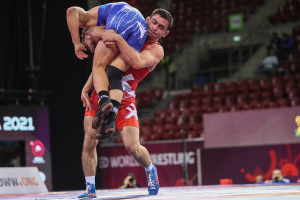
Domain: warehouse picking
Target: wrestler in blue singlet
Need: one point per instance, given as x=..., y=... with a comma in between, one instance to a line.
x=126, y=21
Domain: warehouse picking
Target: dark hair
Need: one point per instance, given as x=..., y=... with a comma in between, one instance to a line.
x=131, y=174
x=164, y=14
x=83, y=36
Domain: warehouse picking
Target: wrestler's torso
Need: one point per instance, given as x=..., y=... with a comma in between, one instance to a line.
x=131, y=79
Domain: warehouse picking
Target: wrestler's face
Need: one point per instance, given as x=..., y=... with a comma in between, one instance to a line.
x=157, y=27
x=90, y=42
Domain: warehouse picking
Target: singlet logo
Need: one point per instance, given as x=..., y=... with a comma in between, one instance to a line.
x=133, y=111
x=127, y=90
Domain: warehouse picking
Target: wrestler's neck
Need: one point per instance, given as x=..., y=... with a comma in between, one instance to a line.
x=151, y=41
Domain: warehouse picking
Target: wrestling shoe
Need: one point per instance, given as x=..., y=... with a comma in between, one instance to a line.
x=102, y=112
x=107, y=130
x=90, y=192
x=153, y=183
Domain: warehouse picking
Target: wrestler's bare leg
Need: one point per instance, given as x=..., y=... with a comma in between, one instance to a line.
x=89, y=153
x=130, y=136
x=103, y=56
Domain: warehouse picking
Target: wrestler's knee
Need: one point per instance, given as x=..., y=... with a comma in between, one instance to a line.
x=132, y=148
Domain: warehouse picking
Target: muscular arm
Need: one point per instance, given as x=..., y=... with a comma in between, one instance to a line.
x=76, y=17
x=150, y=57
x=89, y=84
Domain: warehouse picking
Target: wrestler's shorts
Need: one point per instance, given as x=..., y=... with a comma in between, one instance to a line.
x=127, y=114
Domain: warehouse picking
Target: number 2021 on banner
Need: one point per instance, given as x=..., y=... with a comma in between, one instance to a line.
x=17, y=124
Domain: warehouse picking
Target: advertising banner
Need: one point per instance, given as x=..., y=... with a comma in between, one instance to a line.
x=31, y=126
x=115, y=162
x=243, y=164
x=254, y=127
x=21, y=180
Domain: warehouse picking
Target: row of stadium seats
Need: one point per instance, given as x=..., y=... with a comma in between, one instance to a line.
x=144, y=99
x=286, y=83
x=288, y=12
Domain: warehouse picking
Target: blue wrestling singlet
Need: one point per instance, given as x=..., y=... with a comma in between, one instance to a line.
x=126, y=21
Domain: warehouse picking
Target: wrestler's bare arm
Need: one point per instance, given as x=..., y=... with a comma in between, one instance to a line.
x=78, y=17
x=150, y=57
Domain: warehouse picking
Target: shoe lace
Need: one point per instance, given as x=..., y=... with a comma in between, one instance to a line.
x=88, y=189
x=151, y=181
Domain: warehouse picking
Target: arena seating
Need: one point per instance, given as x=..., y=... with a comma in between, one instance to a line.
x=288, y=12
x=242, y=95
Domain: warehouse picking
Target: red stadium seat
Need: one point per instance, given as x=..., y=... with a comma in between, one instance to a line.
x=269, y=104
x=144, y=138
x=161, y=113
x=218, y=99
x=184, y=103
x=219, y=88
x=294, y=101
x=191, y=134
x=255, y=105
x=292, y=93
x=253, y=85
x=197, y=88
x=119, y=139
x=194, y=119
x=264, y=84
x=195, y=102
x=147, y=130
x=174, y=112
x=294, y=67
x=242, y=86
x=177, y=135
x=173, y=104
x=171, y=128
x=158, y=94
x=230, y=87
x=159, y=121
x=253, y=96
x=155, y=137
x=147, y=121
x=276, y=81
x=277, y=92
x=167, y=136
x=265, y=95
x=221, y=108
x=283, y=102
x=146, y=101
x=241, y=98
x=158, y=129
x=196, y=110
x=196, y=94
x=233, y=108
x=140, y=94
x=207, y=109
x=207, y=89
x=229, y=99
x=206, y=100
x=170, y=119
x=149, y=93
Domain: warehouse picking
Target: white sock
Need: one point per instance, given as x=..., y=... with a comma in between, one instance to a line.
x=149, y=168
x=90, y=179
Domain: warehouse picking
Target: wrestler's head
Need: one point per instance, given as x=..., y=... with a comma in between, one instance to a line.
x=88, y=40
x=159, y=24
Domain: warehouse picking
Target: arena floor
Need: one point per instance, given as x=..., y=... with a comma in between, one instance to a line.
x=245, y=192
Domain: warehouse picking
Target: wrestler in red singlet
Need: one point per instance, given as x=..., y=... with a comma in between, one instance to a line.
x=127, y=115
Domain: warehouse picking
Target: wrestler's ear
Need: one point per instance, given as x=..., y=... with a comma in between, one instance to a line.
x=148, y=19
x=87, y=33
x=166, y=33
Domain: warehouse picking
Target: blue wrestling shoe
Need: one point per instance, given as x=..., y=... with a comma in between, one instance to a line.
x=90, y=192
x=153, y=183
